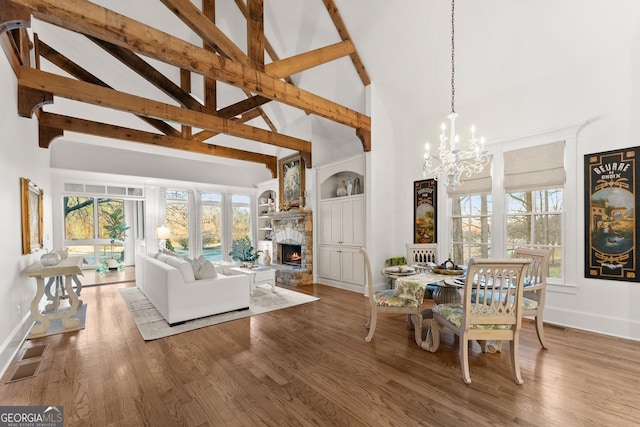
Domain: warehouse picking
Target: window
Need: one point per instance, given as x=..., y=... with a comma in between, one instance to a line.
x=470, y=227
x=205, y=223
x=84, y=228
x=241, y=206
x=211, y=225
x=534, y=219
x=177, y=219
x=524, y=206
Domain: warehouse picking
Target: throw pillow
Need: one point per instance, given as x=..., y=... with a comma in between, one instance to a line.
x=207, y=271
x=170, y=253
x=184, y=267
x=163, y=257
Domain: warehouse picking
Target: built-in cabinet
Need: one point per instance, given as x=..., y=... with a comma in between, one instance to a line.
x=265, y=203
x=341, y=223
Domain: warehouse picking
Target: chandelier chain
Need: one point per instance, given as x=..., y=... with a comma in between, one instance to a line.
x=453, y=63
x=455, y=162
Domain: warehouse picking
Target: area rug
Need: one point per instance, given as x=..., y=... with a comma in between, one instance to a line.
x=56, y=324
x=152, y=325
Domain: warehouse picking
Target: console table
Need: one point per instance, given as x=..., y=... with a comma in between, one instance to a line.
x=259, y=276
x=66, y=271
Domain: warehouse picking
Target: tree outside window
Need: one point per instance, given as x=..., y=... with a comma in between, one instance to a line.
x=534, y=219
x=470, y=228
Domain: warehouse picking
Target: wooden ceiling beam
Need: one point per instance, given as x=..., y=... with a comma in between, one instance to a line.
x=67, y=65
x=149, y=73
x=255, y=34
x=91, y=19
x=344, y=34
x=105, y=97
x=206, y=29
x=307, y=60
x=60, y=122
x=267, y=45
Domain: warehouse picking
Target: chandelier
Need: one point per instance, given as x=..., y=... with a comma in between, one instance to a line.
x=452, y=160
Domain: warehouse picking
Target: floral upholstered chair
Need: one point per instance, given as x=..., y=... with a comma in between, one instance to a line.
x=491, y=309
x=406, y=298
x=535, y=287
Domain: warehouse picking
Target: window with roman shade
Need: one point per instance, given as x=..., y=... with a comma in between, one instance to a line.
x=534, y=167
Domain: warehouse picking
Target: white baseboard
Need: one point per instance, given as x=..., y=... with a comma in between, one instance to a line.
x=593, y=322
x=14, y=341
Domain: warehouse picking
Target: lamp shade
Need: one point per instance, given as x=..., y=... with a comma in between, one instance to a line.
x=163, y=233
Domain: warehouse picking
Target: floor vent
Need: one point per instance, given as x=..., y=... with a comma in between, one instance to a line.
x=35, y=351
x=25, y=371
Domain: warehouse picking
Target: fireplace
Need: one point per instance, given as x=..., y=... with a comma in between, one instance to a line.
x=290, y=254
x=293, y=247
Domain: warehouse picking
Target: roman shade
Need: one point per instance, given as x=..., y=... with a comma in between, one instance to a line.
x=479, y=183
x=534, y=167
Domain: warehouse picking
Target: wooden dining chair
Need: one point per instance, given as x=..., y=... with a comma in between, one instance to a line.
x=491, y=309
x=404, y=299
x=535, y=285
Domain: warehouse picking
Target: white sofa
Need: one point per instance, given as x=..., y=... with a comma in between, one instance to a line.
x=179, y=297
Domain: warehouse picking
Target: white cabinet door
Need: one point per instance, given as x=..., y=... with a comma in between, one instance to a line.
x=353, y=221
x=352, y=266
x=329, y=260
x=342, y=221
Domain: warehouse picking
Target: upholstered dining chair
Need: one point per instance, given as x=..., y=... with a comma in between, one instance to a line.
x=491, y=309
x=404, y=299
x=535, y=285
x=420, y=254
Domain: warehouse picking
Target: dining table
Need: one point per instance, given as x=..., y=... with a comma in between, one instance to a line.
x=447, y=291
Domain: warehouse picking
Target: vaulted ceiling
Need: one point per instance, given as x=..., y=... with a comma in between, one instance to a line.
x=219, y=78
x=502, y=46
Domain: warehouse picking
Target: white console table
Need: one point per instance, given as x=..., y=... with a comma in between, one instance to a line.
x=68, y=268
x=259, y=276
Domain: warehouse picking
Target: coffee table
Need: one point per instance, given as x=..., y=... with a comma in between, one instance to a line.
x=259, y=276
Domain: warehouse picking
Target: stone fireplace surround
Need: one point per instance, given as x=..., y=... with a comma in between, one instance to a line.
x=293, y=227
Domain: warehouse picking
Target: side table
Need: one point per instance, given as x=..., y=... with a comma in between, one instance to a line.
x=259, y=276
x=68, y=268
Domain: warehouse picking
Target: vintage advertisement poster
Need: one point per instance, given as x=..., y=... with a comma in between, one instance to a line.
x=424, y=211
x=611, y=205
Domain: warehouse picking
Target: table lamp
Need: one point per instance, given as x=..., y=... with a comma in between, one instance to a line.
x=163, y=233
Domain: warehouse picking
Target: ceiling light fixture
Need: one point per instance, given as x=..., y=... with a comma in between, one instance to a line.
x=452, y=161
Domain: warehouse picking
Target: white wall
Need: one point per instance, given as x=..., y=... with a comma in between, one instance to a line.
x=20, y=156
x=603, y=89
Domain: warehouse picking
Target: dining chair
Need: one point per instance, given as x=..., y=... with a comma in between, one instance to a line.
x=422, y=253
x=535, y=285
x=404, y=299
x=491, y=309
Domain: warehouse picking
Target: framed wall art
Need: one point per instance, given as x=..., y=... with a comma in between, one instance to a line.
x=611, y=204
x=425, y=212
x=291, y=181
x=32, y=216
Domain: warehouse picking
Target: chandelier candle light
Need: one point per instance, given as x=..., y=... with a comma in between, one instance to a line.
x=452, y=161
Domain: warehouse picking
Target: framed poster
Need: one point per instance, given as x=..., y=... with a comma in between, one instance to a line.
x=291, y=181
x=32, y=221
x=425, y=212
x=611, y=204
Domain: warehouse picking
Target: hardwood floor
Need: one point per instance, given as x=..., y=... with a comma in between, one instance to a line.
x=310, y=365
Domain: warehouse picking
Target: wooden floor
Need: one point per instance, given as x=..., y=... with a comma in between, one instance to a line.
x=309, y=365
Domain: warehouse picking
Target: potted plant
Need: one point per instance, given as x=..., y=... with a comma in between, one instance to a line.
x=243, y=251
x=116, y=230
